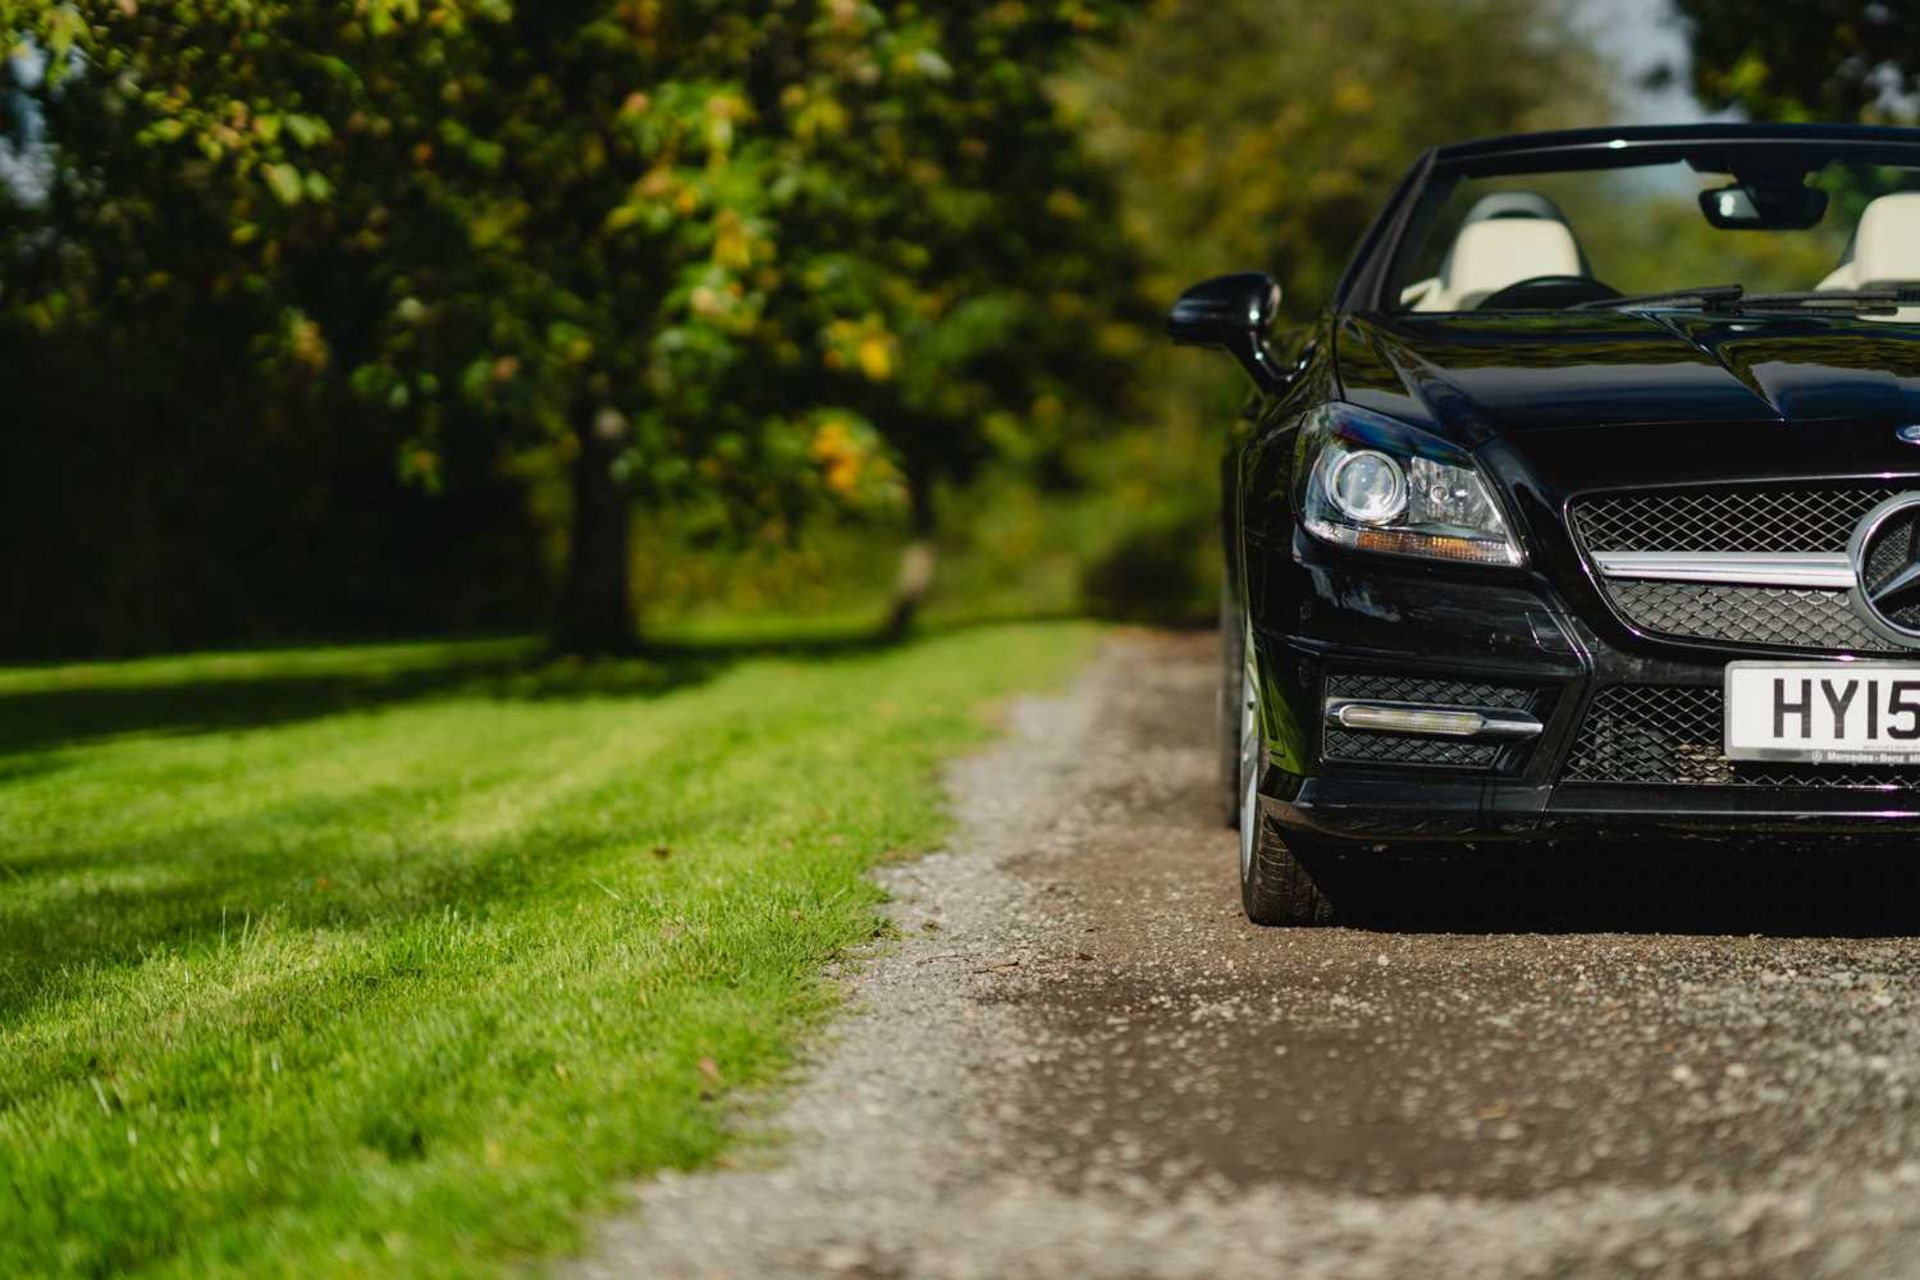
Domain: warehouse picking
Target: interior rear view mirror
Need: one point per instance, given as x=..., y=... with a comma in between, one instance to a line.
x=1764, y=206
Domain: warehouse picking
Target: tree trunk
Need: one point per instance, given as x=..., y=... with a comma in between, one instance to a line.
x=917, y=561
x=596, y=610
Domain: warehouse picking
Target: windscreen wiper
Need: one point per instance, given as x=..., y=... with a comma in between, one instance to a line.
x=1734, y=298
x=1853, y=301
x=1711, y=297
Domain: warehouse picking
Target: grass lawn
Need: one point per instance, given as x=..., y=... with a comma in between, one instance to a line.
x=394, y=960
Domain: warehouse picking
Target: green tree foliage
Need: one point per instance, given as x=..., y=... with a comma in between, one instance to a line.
x=182, y=461
x=1257, y=134
x=1806, y=59
x=1265, y=135
x=757, y=256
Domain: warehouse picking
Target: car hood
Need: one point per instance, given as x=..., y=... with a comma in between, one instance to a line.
x=1478, y=377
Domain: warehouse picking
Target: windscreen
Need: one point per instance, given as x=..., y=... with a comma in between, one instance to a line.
x=1556, y=240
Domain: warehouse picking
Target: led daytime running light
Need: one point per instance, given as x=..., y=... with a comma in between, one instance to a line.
x=1444, y=724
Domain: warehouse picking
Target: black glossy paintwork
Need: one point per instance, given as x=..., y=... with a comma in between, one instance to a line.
x=1553, y=405
x=1477, y=376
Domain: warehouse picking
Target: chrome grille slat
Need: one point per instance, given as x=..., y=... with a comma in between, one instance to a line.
x=1826, y=570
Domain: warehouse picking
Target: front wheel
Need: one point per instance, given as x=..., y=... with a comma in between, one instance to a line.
x=1277, y=883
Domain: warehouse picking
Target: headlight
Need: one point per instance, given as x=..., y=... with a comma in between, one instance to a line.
x=1375, y=484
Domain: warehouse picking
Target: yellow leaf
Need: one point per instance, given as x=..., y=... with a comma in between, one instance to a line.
x=832, y=441
x=876, y=357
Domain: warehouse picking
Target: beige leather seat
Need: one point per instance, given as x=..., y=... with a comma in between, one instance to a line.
x=1886, y=246
x=1489, y=255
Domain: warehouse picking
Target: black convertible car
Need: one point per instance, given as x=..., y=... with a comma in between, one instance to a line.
x=1589, y=505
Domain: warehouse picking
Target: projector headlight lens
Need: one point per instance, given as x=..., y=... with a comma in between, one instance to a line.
x=1367, y=487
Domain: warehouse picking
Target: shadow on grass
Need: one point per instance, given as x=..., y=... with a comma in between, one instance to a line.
x=198, y=882
x=67, y=714
x=46, y=718
x=1741, y=887
x=41, y=719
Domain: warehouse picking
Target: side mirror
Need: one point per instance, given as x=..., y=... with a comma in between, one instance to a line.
x=1234, y=314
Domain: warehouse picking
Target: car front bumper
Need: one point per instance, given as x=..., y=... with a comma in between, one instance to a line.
x=1326, y=622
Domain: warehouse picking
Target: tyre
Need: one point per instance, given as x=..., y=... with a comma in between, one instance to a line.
x=1278, y=884
x=1231, y=712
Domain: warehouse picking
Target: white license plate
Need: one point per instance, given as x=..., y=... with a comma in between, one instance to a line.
x=1865, y=712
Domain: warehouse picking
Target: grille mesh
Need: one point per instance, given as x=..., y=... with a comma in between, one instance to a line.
x=1459, y=693
x=1726, y=520
x=1798, y=618
x=1344, y=745
x=1894, y=547
x=1670, y=735
x=1889, y=553
x=1390, y=748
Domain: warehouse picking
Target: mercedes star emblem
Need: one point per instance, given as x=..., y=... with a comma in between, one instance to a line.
x=1885, y=553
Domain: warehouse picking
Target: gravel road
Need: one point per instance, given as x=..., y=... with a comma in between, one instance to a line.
x=1080, y=1060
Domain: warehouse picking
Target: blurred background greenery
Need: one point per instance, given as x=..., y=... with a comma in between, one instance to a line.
x=608, y=317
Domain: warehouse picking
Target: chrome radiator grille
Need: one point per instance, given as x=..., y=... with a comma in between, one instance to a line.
x=1746, y=521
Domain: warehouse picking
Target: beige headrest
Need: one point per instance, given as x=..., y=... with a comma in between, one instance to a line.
x=1494, y=253
x=1886, y=246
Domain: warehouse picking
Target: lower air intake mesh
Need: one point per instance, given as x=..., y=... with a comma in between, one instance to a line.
x=1452, y=693
x=1670, y=735
x=1394, y=748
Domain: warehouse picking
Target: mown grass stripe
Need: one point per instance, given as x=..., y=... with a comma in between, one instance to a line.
x=402, y=979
